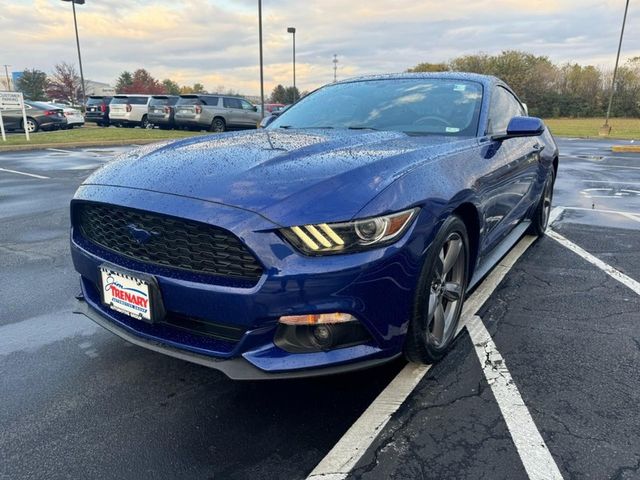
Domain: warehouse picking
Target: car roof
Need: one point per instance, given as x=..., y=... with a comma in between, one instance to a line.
x=126, y=95
x=486, y=80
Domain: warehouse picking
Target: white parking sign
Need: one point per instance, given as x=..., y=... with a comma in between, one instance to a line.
x=12, y=101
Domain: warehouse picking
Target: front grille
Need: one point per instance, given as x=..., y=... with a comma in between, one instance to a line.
x=167, y=241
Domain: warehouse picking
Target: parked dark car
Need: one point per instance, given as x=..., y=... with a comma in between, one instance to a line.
x=345, y=234
x=162, y=111
x=40, y=116
x=97, y=110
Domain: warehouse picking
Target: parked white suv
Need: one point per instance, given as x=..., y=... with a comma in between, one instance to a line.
x=129, y=110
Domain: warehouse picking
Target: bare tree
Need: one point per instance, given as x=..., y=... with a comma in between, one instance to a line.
x=64, y=84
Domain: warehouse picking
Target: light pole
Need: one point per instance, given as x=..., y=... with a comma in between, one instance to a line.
x=335, y=67
x=261, y=63
x=606, y=129
x=6, y=72
x=75, y=24
x=293, y=31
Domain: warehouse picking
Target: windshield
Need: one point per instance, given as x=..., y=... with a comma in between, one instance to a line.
x=415, y=106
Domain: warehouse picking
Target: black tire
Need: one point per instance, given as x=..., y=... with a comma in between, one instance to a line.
x=144, y=123
x=218, y=125
x=33, y=122
x=431, y=333
x=540, y=219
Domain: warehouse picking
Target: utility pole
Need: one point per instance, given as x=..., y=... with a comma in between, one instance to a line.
x=335, y=67
x=6, y=72
x=606, y=129
x=261, y=60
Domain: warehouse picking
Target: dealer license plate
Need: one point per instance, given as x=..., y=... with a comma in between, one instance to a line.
x=126, y=294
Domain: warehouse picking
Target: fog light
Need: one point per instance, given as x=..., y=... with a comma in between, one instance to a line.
x=317, y=319
x=322, y=334
x=319, y=332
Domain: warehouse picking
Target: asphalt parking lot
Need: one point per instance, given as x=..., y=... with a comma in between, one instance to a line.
x=554, y=390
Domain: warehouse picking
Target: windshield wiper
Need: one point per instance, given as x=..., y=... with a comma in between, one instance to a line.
x=304, y=128
x=362, y=128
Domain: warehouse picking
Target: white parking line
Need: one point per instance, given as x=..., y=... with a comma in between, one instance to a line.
x=630, y=215
x=24, y=173
x=606, y=268
x=59, y=150
x=344, y=456
x=615, y=182
x=533, y=450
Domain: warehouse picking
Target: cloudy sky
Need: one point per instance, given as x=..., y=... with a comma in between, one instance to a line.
x=215, y=42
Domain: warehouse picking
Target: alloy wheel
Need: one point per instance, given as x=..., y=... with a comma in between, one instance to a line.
x=446, y=290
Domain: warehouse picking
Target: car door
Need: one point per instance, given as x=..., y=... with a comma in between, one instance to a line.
x=250, y=115
x=512, y=168
x=233, y=110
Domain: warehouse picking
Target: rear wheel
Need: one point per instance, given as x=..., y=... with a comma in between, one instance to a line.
x=144, y=123
x=440, y=294
x=218, y=125
x=31, y=125
x=540, y=219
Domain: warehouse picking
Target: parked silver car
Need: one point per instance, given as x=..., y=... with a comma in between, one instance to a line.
x=215, y=112
x=162, y=111
x=129, y=110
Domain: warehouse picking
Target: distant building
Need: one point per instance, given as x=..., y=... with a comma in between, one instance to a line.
x=98, y=88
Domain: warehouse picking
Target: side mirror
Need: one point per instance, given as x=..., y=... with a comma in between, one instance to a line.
x=255, y=108
x=522, y=127
x=266, y=121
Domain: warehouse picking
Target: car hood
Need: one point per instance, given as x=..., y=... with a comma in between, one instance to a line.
x=288, y=176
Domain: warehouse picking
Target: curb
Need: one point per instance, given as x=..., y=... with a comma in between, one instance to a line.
x=106, y=143
x=626, y=148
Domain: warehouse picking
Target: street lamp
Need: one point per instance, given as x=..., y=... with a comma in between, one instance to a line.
x=292, y=30
x=75, y=24
x=606, y=129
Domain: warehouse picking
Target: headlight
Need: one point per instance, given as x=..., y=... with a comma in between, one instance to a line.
x=349, y=237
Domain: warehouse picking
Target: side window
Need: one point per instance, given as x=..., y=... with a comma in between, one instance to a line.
x=246, y=105
x=504, y=106
x=232, y=103
x=212, y=101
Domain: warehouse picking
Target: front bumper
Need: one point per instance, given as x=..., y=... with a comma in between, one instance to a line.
x=377, y=287
x=234, y=368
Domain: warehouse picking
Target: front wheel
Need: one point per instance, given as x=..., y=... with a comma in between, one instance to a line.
x=144, y=123
x=32, y=125
x=218, y=125
x=541, y=215
x=440, y=294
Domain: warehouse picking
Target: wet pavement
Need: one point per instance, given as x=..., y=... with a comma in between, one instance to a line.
x=80, y=403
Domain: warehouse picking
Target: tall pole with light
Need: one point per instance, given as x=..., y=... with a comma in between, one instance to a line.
x=335, y=67
x=606, y=129
x=292, y=30
x=261, y=61
x=75, y=24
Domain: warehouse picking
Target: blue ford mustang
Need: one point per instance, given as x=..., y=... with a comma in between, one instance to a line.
x=344, y=234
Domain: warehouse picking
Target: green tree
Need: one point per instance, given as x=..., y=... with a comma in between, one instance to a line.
x=279, y=95
x=429, y=67
x=292, y=94
x=33, y=84
x=198, y=88
x=124, y=81
x=171, y=87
